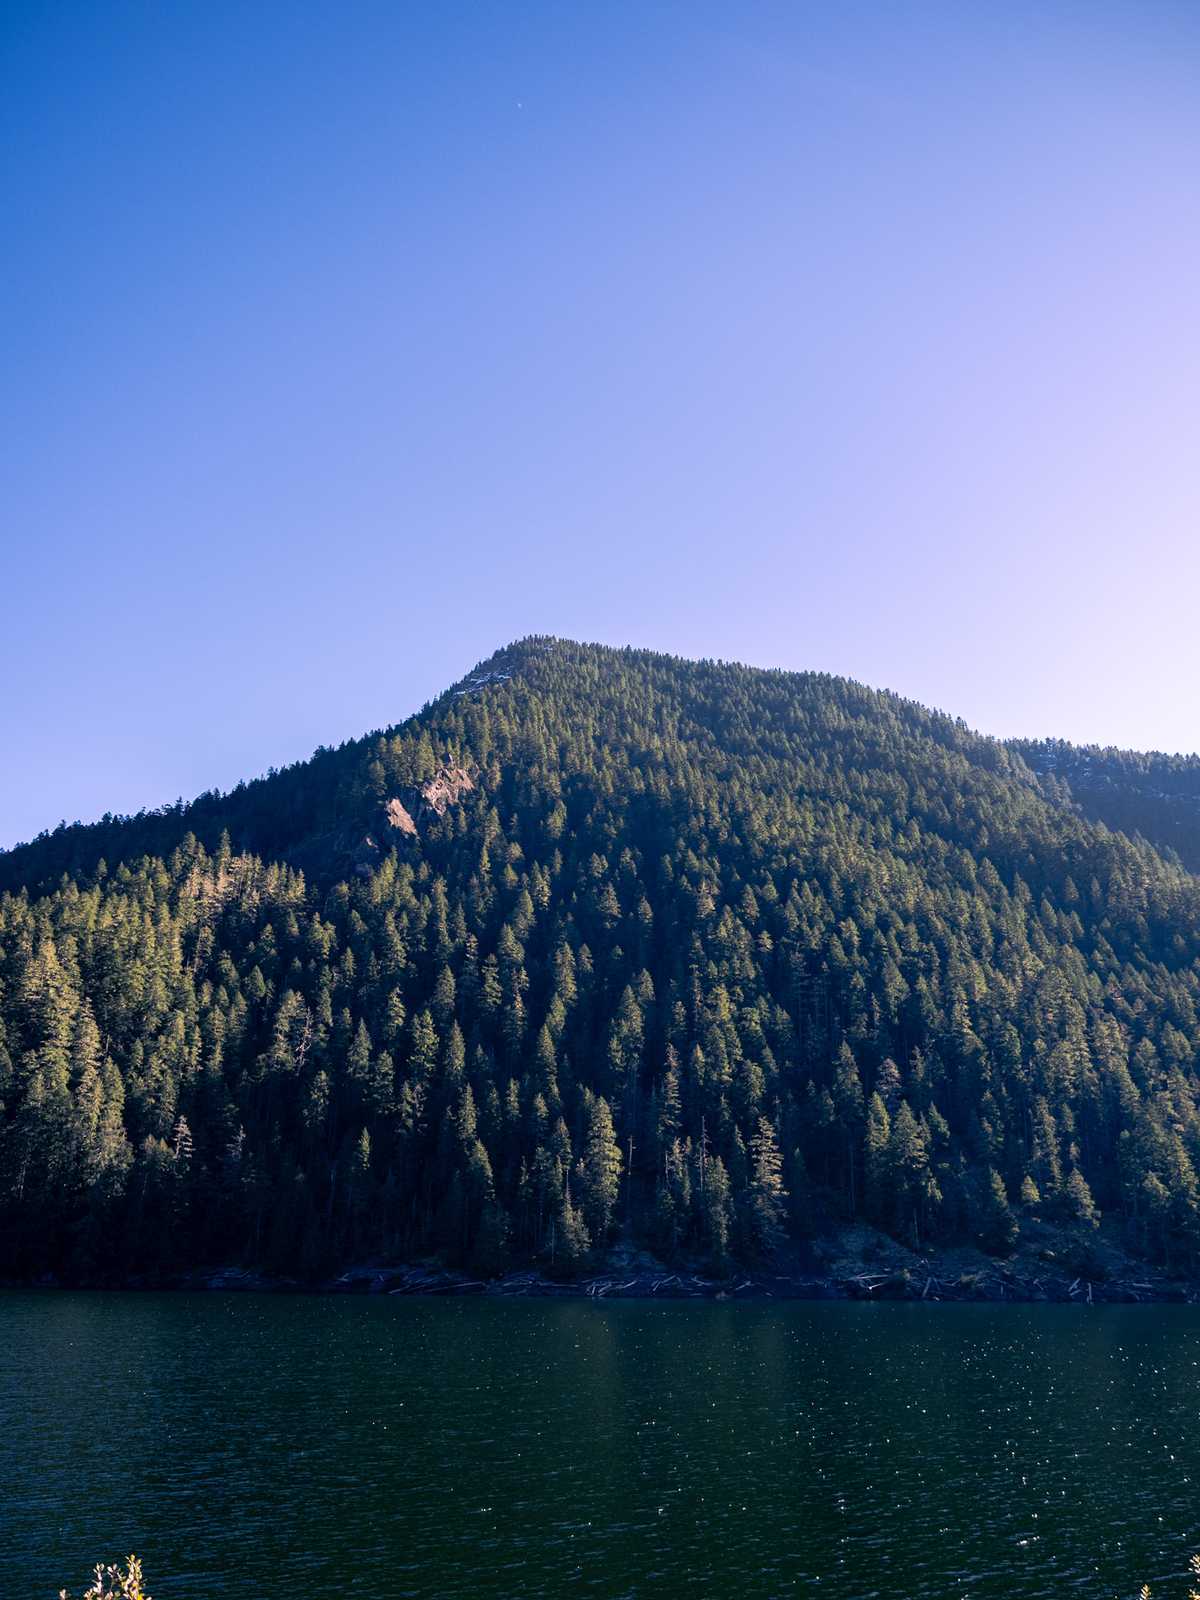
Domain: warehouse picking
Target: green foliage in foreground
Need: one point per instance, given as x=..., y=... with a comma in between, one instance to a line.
x=707, y=956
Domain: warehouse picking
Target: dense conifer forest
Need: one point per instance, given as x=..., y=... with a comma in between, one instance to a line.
x=609, y=945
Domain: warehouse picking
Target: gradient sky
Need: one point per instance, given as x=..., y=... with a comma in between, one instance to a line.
x=341, y=344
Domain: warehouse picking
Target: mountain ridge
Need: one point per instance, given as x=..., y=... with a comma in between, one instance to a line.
x=603, y=944
x=1137, y=792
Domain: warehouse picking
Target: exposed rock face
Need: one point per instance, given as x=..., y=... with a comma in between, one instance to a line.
x=446, y=788
x=398, y=817
x=481, y=681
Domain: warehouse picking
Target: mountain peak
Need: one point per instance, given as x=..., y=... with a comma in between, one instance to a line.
x=602, y=944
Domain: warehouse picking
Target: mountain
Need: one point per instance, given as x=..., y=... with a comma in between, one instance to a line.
x=1154, y=795
x=608, y=946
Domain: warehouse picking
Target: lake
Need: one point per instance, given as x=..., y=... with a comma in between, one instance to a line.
x=265, y=1447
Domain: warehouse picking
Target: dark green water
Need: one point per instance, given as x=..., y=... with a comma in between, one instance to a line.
x=297, y=1447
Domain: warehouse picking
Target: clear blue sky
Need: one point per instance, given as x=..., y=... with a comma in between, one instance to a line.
x=343, y=343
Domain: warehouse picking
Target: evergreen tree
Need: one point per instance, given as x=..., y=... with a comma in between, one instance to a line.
x=718, y=1206
x=601, y=1174
x=1078, y=1202
x=880, y=1187
x=768, y=1196
x=670, y=905
x=997, y=1227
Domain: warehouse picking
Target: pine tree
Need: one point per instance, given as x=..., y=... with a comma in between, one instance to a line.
x=1077, y=1200
x=997, y=1227
x=717, y=1206
x=571, y=1240
x=768, y=1197
x=880, y=1191
x=601, y=1174
x=915, y=1190
x=848, y=1102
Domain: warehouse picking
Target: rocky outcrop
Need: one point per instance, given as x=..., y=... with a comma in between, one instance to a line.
x=479, y=681
x=398, y=817
x=446, y=788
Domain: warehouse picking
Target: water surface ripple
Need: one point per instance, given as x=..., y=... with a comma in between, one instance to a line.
x=266, y=1447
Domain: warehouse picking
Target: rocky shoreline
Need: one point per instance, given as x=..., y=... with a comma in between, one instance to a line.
x=997, y=1284
x=1051, y=1264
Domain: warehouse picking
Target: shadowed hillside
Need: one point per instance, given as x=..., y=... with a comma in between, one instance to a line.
x=1154, y=795
x=602, y=944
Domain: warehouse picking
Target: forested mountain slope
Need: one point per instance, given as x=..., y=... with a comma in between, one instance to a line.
x=1155, y=795
x=602, y=943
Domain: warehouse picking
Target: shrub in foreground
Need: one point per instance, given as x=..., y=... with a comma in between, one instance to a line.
x=110, y=1583
x=1192, y=1594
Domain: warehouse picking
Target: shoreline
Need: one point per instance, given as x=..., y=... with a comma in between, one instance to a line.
x=1000, y=1286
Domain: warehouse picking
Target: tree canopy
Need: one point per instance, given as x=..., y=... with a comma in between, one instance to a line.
x=601, y=942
